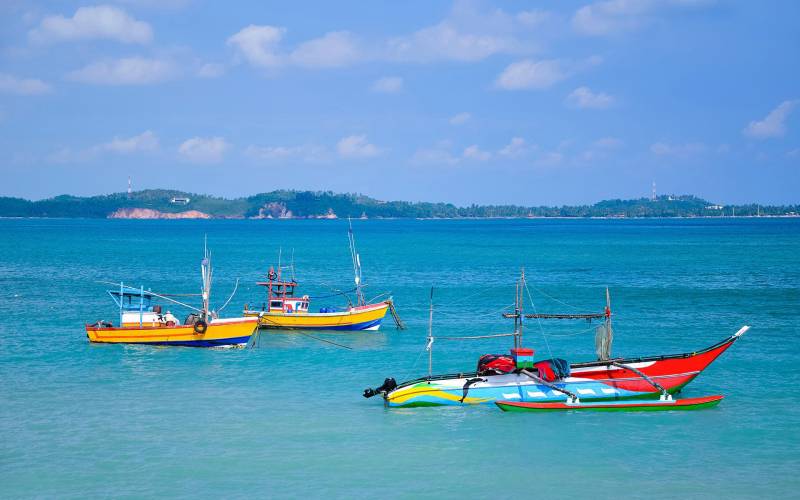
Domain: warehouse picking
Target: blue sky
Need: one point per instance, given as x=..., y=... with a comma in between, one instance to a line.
x=467, y=101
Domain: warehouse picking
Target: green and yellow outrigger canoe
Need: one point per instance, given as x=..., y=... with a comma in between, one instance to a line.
x=653, y=405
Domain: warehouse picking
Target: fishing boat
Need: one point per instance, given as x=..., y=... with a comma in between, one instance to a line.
x=285, y=309
x=142, y=321
x=519, y=378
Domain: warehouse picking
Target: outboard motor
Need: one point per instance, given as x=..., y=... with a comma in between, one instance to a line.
x=388, y=385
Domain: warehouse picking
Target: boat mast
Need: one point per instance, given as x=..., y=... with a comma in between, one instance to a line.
x=205, y=271
x=356, y=263
x=520, y=300
x=429, y=346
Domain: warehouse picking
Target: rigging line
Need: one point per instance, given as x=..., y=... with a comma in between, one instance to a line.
x=328, y=341
x=539, y=321
x=410, y=370
x=464, y=299
x=553, y=298
x=490, y=313
x=478, y=337
x=236, y=287
x=590, y=329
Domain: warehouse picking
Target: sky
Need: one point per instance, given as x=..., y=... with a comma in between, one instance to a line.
x=532, y=103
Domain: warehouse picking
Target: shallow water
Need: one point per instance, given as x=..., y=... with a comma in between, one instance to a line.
x=286, y=418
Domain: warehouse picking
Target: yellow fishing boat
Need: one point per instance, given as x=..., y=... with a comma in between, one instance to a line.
x=143, y=322
x=283, y=309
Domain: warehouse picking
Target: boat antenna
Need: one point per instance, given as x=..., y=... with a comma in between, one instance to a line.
x=280, y=251
x=293, y=265
x=356, y=263
x=429, y=346
x=206, y=272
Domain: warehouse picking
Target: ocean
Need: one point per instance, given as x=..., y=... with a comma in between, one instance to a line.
x=286, y=418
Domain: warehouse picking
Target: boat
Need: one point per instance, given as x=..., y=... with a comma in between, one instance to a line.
x=698, y=403
x=519, y=378
x=284, y=309
x=142, y=321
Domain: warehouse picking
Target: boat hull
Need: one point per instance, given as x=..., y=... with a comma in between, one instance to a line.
x=367, y=317
x=657, y=405
x=593, y=381
x=220, y=333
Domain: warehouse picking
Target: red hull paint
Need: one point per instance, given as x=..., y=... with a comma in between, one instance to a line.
x=669, y=371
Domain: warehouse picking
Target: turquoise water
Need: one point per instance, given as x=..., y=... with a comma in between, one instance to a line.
x=287, y=417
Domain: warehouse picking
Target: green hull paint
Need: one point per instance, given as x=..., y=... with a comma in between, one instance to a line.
x=664, y=407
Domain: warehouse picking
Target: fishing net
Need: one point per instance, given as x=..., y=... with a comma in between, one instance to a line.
x=603, y=336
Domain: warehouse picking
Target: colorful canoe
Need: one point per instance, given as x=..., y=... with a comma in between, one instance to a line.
x=591, y=381
x=656, y=405
x=219, y=333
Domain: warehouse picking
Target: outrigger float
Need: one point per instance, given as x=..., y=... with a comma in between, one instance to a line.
x=143, y=322
x=517, y=382
x=285, y=310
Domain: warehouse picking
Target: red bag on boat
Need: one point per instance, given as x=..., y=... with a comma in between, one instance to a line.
x=498, y=362
x=545, y=371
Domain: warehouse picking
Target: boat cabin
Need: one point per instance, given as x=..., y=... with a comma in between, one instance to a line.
x=280, y=296
x=136, y=308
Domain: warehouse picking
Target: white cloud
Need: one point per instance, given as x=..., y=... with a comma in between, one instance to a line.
x=211, y=70
x=610, y=17
x=608, y=143
x=529, y=74
x=334, y=50
x=549, y=159
x=584, y=98
x=307, y=153
x=10, y=84
x=460, y=118
x=466, y=34
x=98, y=22
x=438, y=155
x=388, y=85
x=516, y=148
x=127, y=71
x=532, y=18
x=146, y=141
x=445, y=42
x=259, y=45
x=774, y=124
x=356, y=146
x=203, y=149
x=678, y=150
x=473, y=152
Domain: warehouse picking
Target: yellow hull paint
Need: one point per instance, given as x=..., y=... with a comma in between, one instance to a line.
x=225, y=332
x=402, y=395
x=337, y=320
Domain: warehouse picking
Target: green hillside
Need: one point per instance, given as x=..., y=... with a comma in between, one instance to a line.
x=308, y=204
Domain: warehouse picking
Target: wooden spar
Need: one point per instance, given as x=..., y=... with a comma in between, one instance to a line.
x=397, y=320
x=557, y=316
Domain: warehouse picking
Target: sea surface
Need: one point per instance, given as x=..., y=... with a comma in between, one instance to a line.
x=286, y=418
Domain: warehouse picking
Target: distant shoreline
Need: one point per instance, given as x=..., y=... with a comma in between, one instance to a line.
x=160, y=204
x=555, y=217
